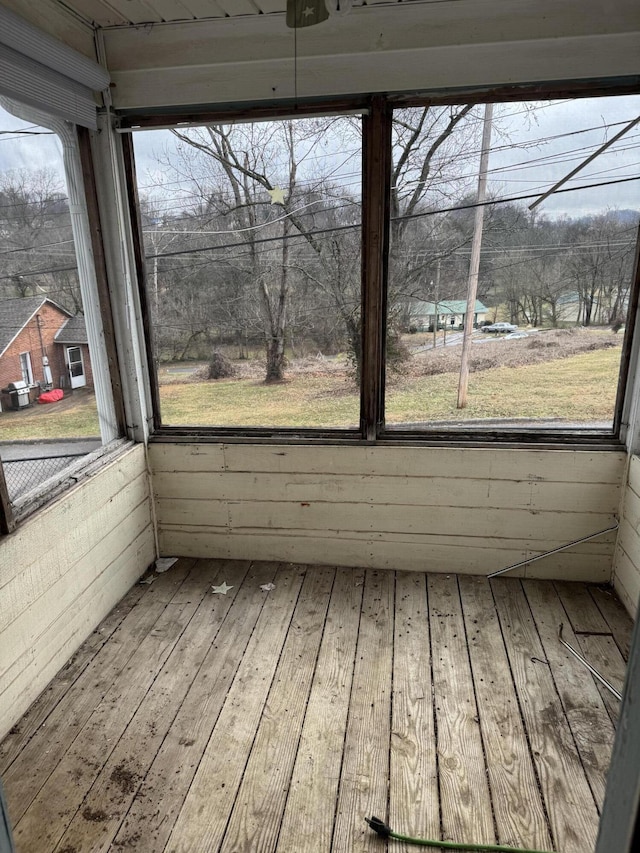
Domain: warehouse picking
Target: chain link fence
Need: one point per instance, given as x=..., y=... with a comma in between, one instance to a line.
x=22, y=475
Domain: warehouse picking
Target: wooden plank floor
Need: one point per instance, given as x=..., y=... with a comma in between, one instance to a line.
x=277, y=719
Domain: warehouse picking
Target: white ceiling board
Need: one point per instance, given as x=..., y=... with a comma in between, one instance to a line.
x=97, y=13
x=171, y=10
x=203, y=8
x=402, y=71
x=239, y=7
x=412, y=70
x=367, y=30
x=269, y=7
x=136, y=11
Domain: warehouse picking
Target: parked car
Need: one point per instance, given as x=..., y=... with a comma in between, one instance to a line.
x=499, y=328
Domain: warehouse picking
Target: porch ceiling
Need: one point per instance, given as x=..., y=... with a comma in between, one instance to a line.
x=124, y=13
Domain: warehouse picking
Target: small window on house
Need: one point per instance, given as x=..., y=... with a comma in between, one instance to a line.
x=252, y=241
x=514, y=265
x=43, y=335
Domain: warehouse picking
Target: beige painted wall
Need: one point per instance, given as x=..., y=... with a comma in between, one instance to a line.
x=626, y=567
x=435, y=509
x=64, y=569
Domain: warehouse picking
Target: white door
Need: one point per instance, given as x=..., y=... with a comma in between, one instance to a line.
x=76, y=367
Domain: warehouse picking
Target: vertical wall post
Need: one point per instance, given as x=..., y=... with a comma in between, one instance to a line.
x=120, y=264
x=375, y=256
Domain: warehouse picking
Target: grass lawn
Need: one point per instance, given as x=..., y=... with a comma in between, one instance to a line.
x=580, y=388
x=74, y=417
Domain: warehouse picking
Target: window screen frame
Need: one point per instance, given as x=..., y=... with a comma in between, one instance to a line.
x=377, y=113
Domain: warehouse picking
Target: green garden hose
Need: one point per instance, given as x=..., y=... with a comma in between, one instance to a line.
x=385, y=831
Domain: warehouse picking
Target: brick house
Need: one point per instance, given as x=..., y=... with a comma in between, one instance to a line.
x=42, y=344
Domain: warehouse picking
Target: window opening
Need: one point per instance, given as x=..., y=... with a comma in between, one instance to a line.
x=252, y=239
x=553, y=280
x=44, y=340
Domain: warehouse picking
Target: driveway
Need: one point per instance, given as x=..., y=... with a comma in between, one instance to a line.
x=27, y=464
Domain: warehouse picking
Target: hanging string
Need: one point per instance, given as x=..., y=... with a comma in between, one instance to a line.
x=295, y=65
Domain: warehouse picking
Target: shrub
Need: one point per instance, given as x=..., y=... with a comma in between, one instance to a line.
x=220, y=367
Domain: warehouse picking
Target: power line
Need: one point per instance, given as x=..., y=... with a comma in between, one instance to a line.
x=340, y=228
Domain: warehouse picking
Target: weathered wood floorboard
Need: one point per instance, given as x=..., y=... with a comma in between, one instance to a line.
x=519, y=812
x=465, y=802
x=275, y=720
x=582, y=704
x=364, y=780
x=619, y=622
x=572, y=811
x=165, y=786
x=202, y=821
x=308, y=817
x=413, y=792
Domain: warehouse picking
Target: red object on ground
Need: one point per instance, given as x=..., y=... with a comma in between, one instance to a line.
x=51, y=396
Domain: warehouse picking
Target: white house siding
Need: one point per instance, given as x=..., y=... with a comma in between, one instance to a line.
x=63, y=570
x=435, y=509
x=626, y=569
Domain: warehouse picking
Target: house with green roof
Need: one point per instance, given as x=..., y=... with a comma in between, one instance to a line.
x=449, y=313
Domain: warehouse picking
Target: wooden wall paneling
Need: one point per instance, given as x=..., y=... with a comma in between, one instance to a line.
x=26, y=776
x=58, y=587
x=38, y=536
x=626, y=567
x=27, y=592
x=570, y=466
x=25, y=633
x=35, y=669
x=471, y=492
x=349, y=550
x=44, y=706
x=65, y=789
x=383, y=503
x=626, y=575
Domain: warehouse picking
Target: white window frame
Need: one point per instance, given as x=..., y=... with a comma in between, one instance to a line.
x=26, y=368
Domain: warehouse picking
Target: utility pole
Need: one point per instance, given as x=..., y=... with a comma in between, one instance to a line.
x=474, y=263
x=436, y=292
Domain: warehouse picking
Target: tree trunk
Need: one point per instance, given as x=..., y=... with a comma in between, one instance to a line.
x=278, y=317
x=275, y=359
x=354, y=336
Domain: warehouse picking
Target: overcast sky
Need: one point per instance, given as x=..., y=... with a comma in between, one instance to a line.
x=547, y=144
